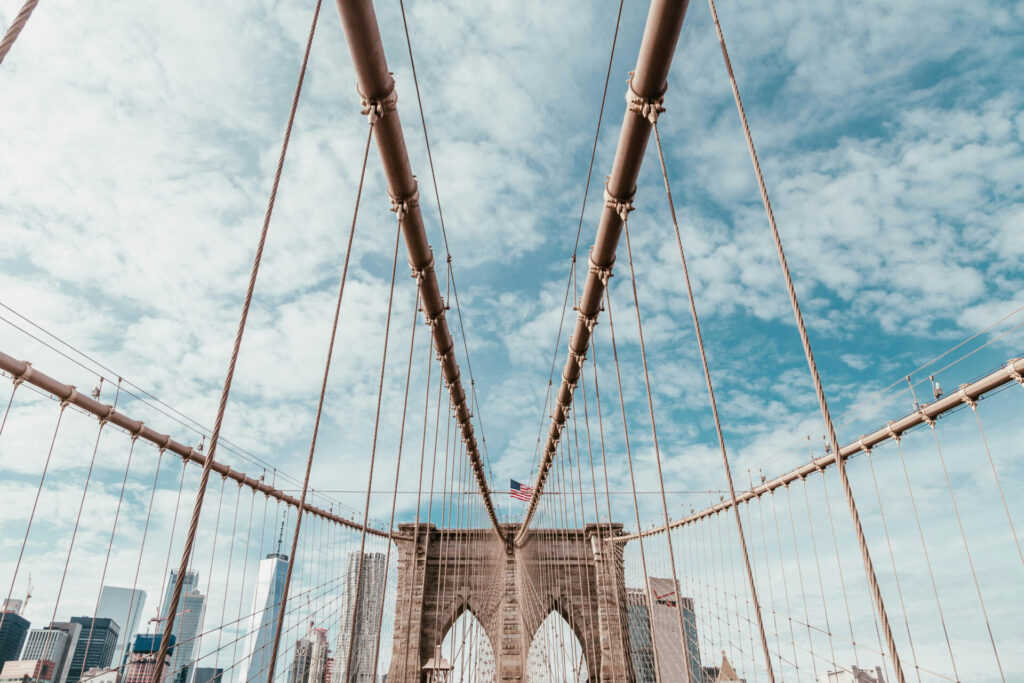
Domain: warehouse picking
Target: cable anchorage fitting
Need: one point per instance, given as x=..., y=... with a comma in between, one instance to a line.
x=401, y=205
x=376, y=109
x=1014, y=373
x=418, y=273
x=646, y=107
x=893, y=434
x=23, y=376
x=967, y=399
x=620, y=206
x=590, y=321
x=64, y=402
x=602, y=272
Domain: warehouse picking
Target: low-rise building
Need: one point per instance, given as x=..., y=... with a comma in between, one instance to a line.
x=28, y=671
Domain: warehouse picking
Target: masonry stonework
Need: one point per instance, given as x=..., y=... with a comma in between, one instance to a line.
x=575, y=573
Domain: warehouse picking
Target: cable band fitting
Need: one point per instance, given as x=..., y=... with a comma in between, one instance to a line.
x=376, y=109
x=646, y=107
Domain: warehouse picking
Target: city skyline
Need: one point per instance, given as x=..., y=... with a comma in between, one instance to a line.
x=851, y=505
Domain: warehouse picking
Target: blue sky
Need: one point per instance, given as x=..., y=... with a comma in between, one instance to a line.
x=140, y=143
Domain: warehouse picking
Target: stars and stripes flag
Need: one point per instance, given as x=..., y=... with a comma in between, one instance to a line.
x=519, y=491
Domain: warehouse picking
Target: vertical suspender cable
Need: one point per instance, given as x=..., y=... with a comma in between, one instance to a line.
x=373, y=459
x=714, y=407
x=657, y=449
x=320, y=405
x=35, y=504
x=869, y=567
x=632, y=480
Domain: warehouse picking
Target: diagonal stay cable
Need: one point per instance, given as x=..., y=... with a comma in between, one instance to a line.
x=869, y=567
x=14, y=30
x=215, y=435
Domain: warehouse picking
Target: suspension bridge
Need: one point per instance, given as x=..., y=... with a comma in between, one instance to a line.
x=889, y=555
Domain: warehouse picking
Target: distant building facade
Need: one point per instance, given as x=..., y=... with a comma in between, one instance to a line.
x=96, y=646
x=45, y=643
x=723, y=673
x=124, y=606
x=188, y=621
x=73, y=632
x=27, y=671
x=111, y=675
x=205, y=674
x=50, y=645
x=672, y=649
x=665, y=656
x=638, y=622
x=298, y=672
x=318, y=656
x=362, y=616
x=144, y=657
x=13, y=630
x=854, y=675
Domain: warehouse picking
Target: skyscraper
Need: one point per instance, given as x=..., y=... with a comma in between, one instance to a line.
x=668, y=642
x=55, y=643
x=362, y=616
x=190, y=583
x=638, y=622
x=208, y=675
x=263, y=616
x=96, y=646
x=74, y=632
x=187, y=622
x=46, y=644
x=13, y=629
x=123, y=605
x=299, y=670
x=190, y=622
x=318, y=656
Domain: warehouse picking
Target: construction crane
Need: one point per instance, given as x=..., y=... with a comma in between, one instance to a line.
x=28, y=596
x=157, y=619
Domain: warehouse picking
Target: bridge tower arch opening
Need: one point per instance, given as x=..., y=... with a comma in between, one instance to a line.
x=556, y=652
x=468, y=648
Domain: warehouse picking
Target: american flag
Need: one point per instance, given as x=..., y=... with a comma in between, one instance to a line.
x=519, y=491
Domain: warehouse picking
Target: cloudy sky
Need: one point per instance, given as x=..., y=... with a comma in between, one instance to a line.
x=138, y=148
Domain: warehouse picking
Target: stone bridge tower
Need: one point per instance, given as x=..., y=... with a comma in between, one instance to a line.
x=574, y=572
